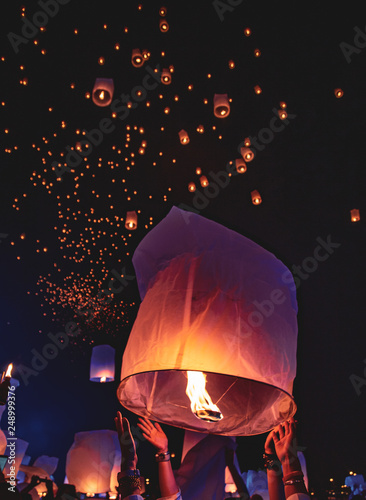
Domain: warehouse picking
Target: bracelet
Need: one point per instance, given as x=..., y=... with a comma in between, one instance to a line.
x=271, y=462
x=163, y=456
x=129, y=473
x=293, y=475
x=293, y=481
x=129, y=482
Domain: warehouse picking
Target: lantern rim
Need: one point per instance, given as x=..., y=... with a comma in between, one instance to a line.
x=286, y=395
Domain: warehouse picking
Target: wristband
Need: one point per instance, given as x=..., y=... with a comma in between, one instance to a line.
x=163, y=456
x=271, y=462
x=293, y=481
x=297, y=474
x=129, y=473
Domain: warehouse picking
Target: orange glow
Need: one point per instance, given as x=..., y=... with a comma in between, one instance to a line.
x=257, y=89
x=191, y=187
x=8, y=371
x=103, y=379
x=338, y=93
x=201, y=403
x=256, y=197
x=355, y=215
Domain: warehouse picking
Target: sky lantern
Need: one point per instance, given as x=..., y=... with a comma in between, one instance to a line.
x=131, y=220
x=247, y=154
x=163, y=25
x=166, y=77
x=103, y=91
x=102, y=364
x=240, y=165
x=221, y=105
x=355, y=215
x=137, y=58
x=183, y=137
x=256, y=197
x=204, y=181
x=213, y=346
x=91, y=459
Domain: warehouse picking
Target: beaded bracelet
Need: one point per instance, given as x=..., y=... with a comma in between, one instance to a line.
x=292, y=481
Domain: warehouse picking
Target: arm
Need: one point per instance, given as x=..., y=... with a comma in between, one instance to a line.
x=128, y=485
x=49, y=486
x=34, y=482
x=284, y=438
x=238, y=480
x=156, y=436
x=274, y=475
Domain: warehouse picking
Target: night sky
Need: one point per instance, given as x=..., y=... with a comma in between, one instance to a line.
x=61, y=237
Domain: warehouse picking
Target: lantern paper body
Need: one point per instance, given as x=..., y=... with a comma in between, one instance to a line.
x=32, y=470
x=216, y=302
x=102, y=364
x=3, y=443
x=90, y=460
x=103, y=91
x=221, y=105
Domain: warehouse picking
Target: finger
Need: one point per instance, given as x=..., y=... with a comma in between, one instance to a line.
x=143, y=426
x=281, y=431
x=157, y=426
x=287, y=427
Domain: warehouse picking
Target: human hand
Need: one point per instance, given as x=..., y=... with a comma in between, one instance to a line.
x=269, y=447
x=154, y=434
x=284, y=439
x=127, y=443
x=35, y=480
x=49, y=485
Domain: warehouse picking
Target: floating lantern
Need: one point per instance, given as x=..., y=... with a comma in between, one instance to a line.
x=103, y=91
x=283, y=105
x=198, y=170
x=163, y=25
x=183, y=137
x=214, y=303
x=231, y=64
x=247, y=32
x=192, y=187
x=162, y=11
x=137, y=58
x=131, y=220
x=282, y=113
x=204, y=181
x=166, y=77
x=338, y=93
x=221, y=105
x=256, y=197
x=200, y=129
x=102, y=364
x=90, y=460
x=240, y=165
x=247, y=142
x=257, y=53
x=257, y=89
x=146, y=55
x=355, y=215
x=247, y=154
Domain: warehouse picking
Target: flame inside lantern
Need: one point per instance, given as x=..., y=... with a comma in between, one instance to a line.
x=201, y=403
x=8, y=371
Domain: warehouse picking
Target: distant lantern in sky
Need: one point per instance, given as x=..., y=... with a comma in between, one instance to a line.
x=192, y=187
x=183, y=137
x=240, y=166
x=221, y=105
x=131, y=220
x=257, y=89
x=102, y=364
x=103, y=91
x=256, y=197
x=162, y=11
x=247, y=154
x=166, y=77
x=282, y=113
x=207, y=289
x=204, y=181
x=163, y=25
x=137, y=58
x=355, y=215
x=338, y=93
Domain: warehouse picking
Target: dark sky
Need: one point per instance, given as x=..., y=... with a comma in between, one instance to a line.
x=310, y=174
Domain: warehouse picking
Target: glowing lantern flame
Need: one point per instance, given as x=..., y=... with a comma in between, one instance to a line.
x=8, y=371
x=101, y=95
x=103, y=379
x=201, y=403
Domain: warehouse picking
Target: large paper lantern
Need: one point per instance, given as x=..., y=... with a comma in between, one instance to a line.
x=102, y=364
x=103, y=91
x=217, y=309
x=32, y=470
x=90, y=460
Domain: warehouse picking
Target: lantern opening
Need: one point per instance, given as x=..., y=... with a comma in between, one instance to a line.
x=201, y=403
x=8, y=371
